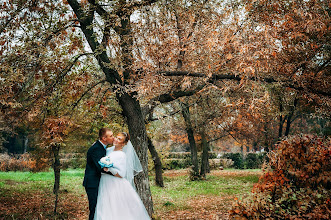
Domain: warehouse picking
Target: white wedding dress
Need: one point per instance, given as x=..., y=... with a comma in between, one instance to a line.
x=117, y=199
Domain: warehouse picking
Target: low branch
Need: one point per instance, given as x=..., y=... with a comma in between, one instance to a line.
x=215, y=139
x=128, y=8
x=20, y=6
x=320, y=68
x=216, y=77
x=58, y=79
x=172, y=113
x=168, y=97
x=86, y=91
x=58, y=31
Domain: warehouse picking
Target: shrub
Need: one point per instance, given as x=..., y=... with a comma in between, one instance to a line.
x=176, y=163
x=254, y=160
x=22, y=162
x=73, y=163
x=73, y=160
x=212, y=155
x=178, y=155
x=237, y=158
x=186, y=155
x=226, y=163
x=295, y=185
x=217, y=163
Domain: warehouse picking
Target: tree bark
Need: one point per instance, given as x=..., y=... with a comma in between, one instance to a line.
x=136, y=124
x=289, y=118
x=281, y=121
x=204, y=156
x=157, y=164
x=130, y=106
x=255, y=146
x=280, y=129
x=193, y=146
x=133, y=113
x=25, y=143
x=56, y=167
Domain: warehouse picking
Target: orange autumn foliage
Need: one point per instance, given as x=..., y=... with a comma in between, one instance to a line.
x=296, y=185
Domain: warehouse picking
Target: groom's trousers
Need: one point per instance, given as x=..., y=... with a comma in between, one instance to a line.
x=92, y=195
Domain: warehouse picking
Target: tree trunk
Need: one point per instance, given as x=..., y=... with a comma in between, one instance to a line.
x=157, y=164
x=136, y=124
x=25, y=143
x=255, y=146
x=281, y=122
x=193, y=146
x=204, y=156
x=133, y=114
x=56, y=168
x=288, y=125
x=130, y=106
x=289, y=118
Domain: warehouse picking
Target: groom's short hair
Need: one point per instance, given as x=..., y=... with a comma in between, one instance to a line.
x=103, y=131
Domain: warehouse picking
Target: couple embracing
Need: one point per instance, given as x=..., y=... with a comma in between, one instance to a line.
x=111, y=192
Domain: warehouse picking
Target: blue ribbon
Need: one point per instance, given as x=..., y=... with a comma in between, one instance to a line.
x=105, y=165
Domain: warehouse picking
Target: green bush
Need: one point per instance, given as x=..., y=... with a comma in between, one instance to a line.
x=178, y=155
x=254, y=160
x=73, y=160
x=186, y=155
x=212, y=155
x=170, y=164
x=182, y=160
x=237, y=158
x=73, y=163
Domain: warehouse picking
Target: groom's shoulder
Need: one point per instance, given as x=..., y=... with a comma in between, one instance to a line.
x=94, y=145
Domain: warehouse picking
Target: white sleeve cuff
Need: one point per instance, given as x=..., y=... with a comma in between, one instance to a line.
x=112, y=170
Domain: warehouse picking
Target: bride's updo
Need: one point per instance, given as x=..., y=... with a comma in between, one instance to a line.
x=127, y=137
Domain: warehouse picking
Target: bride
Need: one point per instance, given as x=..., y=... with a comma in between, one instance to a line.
x=117, y=198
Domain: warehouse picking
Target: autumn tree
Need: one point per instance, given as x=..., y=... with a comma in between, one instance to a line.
x=41, y=82
x=149, y=53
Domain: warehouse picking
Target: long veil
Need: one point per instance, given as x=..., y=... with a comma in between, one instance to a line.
x=133, y=164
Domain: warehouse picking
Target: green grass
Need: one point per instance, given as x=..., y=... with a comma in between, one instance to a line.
x=179, y=187
x=36, y=192
x=176, y=194
x=70, y=180
x=178, y=190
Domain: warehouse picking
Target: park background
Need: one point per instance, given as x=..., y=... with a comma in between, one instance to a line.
x=227, y=104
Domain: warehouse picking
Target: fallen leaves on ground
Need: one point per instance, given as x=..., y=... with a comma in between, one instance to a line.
x=40, y=205
x=201, y=207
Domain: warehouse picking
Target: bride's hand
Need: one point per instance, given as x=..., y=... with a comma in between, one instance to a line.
x=118, y=175
x=105, y=169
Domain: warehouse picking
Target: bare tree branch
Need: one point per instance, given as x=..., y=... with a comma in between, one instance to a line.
x=215, y=77
x=112, y=76
x=86, y=91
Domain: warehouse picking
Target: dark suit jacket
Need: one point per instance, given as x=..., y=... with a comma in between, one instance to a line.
x=93, y=169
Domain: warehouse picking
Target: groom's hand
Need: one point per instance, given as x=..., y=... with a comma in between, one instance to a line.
x=105, y=169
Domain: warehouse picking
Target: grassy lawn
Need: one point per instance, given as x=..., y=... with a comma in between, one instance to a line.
x=25, y=195
x=207, y=199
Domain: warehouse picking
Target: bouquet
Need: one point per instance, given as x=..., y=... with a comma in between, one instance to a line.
x=106, y=162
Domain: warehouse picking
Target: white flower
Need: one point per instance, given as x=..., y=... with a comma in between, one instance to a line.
x=106, y=160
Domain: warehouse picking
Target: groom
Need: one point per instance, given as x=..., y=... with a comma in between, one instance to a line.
x=93, y=169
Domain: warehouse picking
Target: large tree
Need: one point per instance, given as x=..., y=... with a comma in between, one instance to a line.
x=149, y=52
